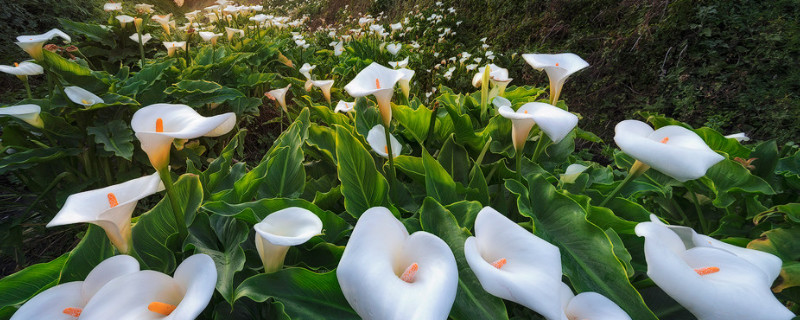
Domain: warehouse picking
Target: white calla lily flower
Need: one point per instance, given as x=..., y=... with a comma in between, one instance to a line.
x=82, y=96
x=741, y=136
x=174, y=45
x=25, y=112
x=67, y=300
x=112, y=6
x=305, y=70
x=554, y=121
x=387, y=274
x=558, y=67
x=232, y=31
x=513, y=264
x=164, y=21
x=144, y=8
x=405, y=81
x=379, y=81
x=376, y=137
x=572, y=172
x=673, y=150
x=157, y=125
x=209, y=36
x=110, y=208
x=710, y=280
x=148, y=294
x=399, y=64
x=394, y=48
x=124, y=20
x=32, y=44
x=281, y=230
x=498, y=76
x=344, y=106
x=279, y=95
x=145, y=38
x=499, y=101
x=589, y=306
x=23, y=69
x=338, y=48
x=325, y=86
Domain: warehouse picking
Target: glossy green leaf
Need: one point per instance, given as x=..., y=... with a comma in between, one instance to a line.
x=220, y=237
x=30, y=158
x=194, y=86
x=363, y=187
x=438, y=183
x=323, y=139
x=93, y=249
x=305, y=294
x=455, y=160
x=115, y=136
x=728, y=178
x=416, y=121
x=472, y=302
x=23, y=285
x=93, y=32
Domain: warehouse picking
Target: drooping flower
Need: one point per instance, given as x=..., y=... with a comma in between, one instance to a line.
x=23, y=69
x=325, y=86
x=673, y=150
x=394, y=48
x=379, y=81
x=558, y=68
x=110, y=208
x=174, y=45
x=513, y=264
x=385, y=273
x=376, y=137
x=554, y=121
x=67, y=300
x=82, y=96
x=157, y=125
x=32, y=44
x=712, y=279
x=344, y=106
x=279, y=95
x=145, y=38
x=164, y=21
x=153, y=295
x=124, y=19
x=741, y=136
x=25, y=112
x=209, y=36
x=305, y=70
x=281, y=230
x=112, y=6
x=590, y=306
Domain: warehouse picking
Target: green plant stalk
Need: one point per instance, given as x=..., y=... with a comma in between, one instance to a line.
x=432, y=124
x=518, y=156
x=637, y=169
x=141, y=46
x=27, y=86
x=391, y=158
x=173, y=200
x=485, y=91
x=700, y=215
x=540, y=145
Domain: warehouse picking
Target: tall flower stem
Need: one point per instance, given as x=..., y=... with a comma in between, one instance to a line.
x=141, y=46
x=540, y=145
x=432, y=124
x=173, y=200
x=485, y=91
x=391, y=157
x=518, y=156
x=27, y=86
x=696, y=202
x=637, y=170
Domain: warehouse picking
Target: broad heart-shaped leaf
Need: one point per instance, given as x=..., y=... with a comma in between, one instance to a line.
x=220, y=167
x=328, y=116
x=26, y=283
x=29, y=158
x=155, y=235
x=363, y=187
x=305, y=294
x=438, y=183
x=417, y=122
x=323, y=139
x=472, y=302
x=587, y=255
x=194, y=86
x=411, y=166
x=455, y=160
x=73, y=73
x=334, y=227
x=366, y=117
x=115, y=136
x=93, y=249
x=286, y=175
x=220, y=237
x=145, y=78
x=717, y=142
x=728, y=178
x=92, y=32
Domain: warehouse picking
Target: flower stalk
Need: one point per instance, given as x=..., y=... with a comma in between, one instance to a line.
x=637, y=170
x=391, y=158
x=166, y=178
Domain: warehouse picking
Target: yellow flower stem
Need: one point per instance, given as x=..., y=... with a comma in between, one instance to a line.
x=485, y=91
x=637, y=169
x=180, y=220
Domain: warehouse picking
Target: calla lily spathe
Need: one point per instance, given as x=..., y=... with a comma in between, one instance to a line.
x=110, y=208
x=209, y=36
x=124, y=19
x=344, y=106
x=711, y=279
x=325, y=86
x=32, y=44
x=112, y=6
x=24, y=69
x=164, y=21
x=379, y=81
x=82, y=96
x=558, y=67
x=405, y=81
x=394, y=48
x=67, y=300
x=741, y=136
x=387, y=274
x=281, y=230
x=305, y=70
x=399, y=64
x=572, y=172
x=25, y=112
x=157, y=125
x=232, y=31
x=174, y=45
x=673, y=150
x=589, y=306
x=148, y=294
x=279, y=95
x=513, y=264
x=145, y=38
x=554, y=121
x=377, y=141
